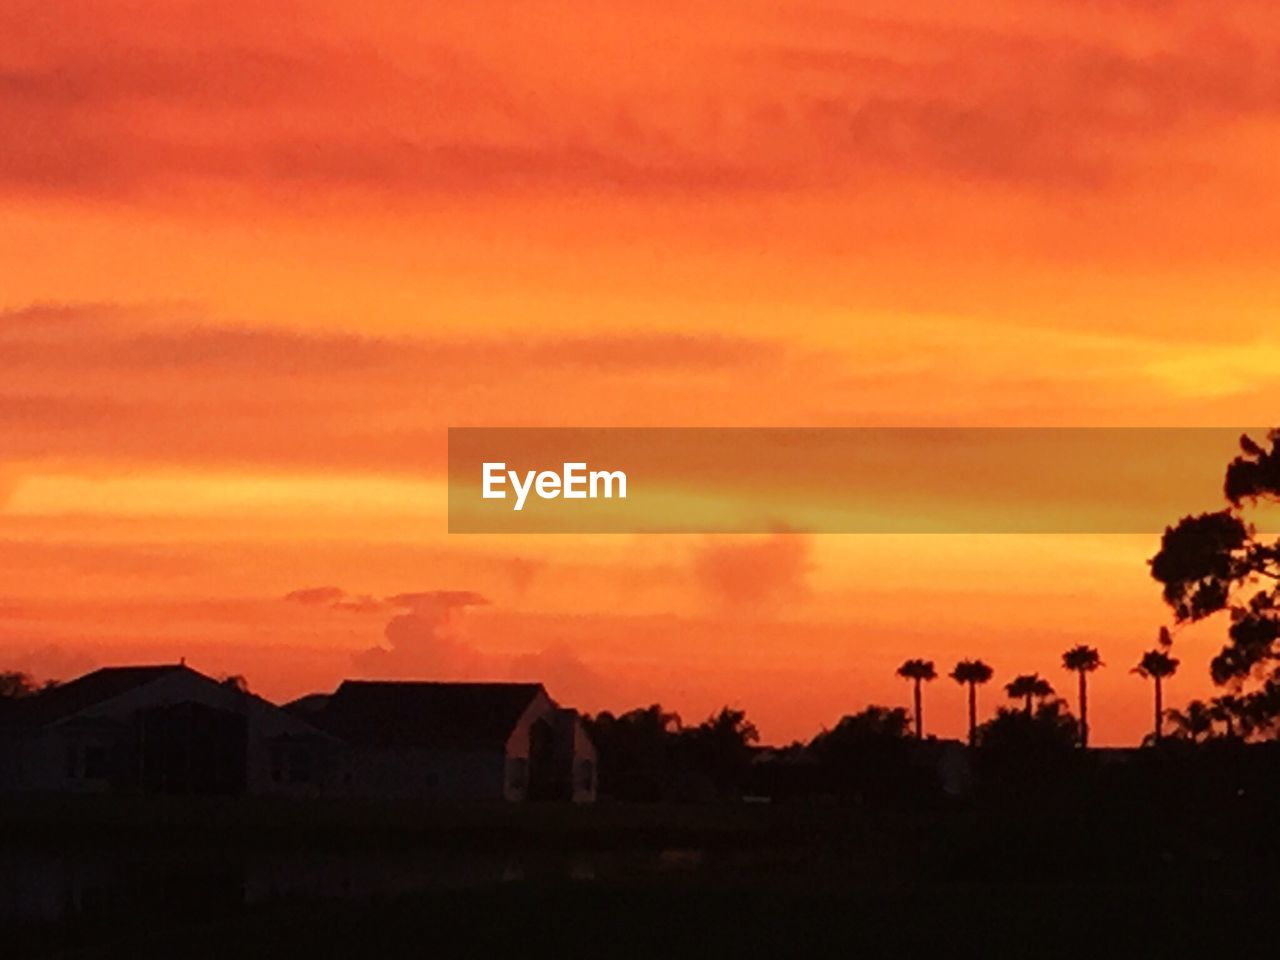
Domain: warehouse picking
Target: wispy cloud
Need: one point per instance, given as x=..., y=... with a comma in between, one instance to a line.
x=96, y=383
x=102, y=109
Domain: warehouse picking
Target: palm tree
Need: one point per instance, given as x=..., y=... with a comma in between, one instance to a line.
x=918, y=671
x=1083, y=660
x=1155, y=665
x=1026, y=686
x=972, y=672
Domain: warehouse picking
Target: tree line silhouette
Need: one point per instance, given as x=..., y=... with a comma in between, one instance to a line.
x=1033, y=690
x=1206, y=564
x=1220, y=561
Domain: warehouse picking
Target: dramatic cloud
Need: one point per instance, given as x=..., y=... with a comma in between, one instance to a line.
x=362, y=603
x=521, y=573
x=335, y=598
x=426, y=639
x=753, y=574
x=435, y=605
x=316, y=596
x=119, y=105
x=103, y=385
x=565, y=675
x=94, y=382
x=425, y=636
x=258, y=257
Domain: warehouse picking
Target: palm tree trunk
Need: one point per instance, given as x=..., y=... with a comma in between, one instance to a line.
x=973, y=713
x=1027, y=709
x=1159, y=708
x=1084, y=710
x=919, y=713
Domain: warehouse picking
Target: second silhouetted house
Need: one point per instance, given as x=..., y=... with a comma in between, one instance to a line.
x=455, y=741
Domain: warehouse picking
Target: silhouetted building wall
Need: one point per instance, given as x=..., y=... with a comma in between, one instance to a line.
x=163, y=729
x=456, y=741
x=169, y=729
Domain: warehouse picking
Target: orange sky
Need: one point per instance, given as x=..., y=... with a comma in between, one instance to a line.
x=254, y=259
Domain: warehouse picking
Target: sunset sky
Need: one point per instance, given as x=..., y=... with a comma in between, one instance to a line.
x=255, y=259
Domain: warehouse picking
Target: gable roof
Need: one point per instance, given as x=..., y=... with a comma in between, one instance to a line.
x=422, y=714
x=93, y=688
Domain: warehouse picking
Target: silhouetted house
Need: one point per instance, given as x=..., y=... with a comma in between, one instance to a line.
x=456, y=741
x=165, y=729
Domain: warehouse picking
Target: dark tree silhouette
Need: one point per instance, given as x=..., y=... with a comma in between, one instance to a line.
x=14, y=684
x=918, y=671
x=972, y=673
x=1155, y=665
x=717, y=752
x=867, y=754
x=872, y=724
x=1026, y=687
x=1021, y=751
x=634, y=751
x=236, y=681
x=1050, y=726
x=1083, y=660
x=1218, y=561
x=647, y=754
x=1228, y=710
x=1195, y=723
x=16, y=687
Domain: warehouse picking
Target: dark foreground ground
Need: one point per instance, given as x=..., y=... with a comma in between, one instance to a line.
x=190, y=879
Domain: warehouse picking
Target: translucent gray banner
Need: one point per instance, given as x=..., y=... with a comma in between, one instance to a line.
x=836, y=480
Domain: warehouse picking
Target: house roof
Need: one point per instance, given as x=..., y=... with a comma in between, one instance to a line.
x=309, y=705
x=70, y=698
x=421, y=714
